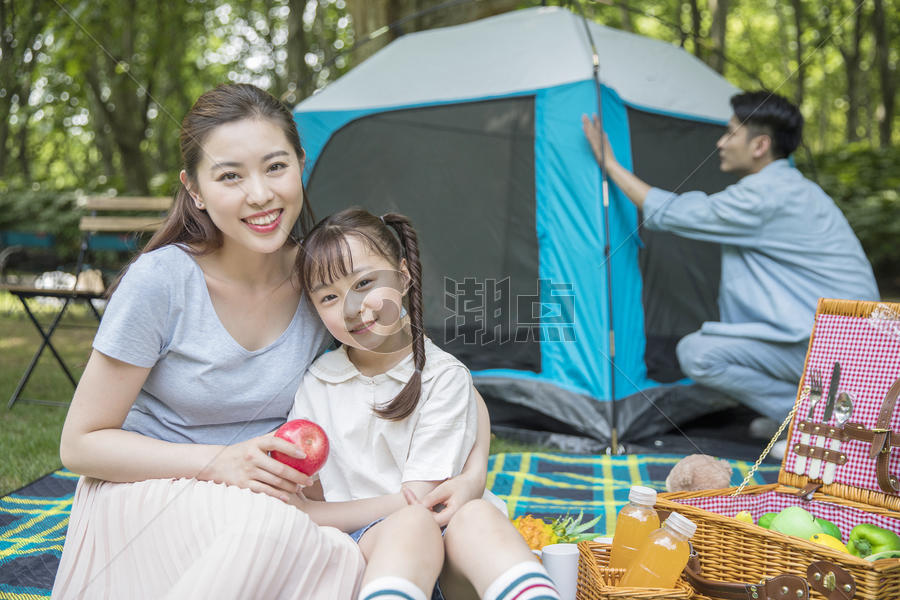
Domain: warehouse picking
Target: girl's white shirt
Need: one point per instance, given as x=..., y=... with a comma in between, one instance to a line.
x=371, y=456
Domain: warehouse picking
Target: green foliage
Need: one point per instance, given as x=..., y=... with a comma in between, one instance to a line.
x=92, y=95
x=865, y=184
x=41, y=211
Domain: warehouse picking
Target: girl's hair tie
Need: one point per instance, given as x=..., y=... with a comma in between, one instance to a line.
x=382, y=220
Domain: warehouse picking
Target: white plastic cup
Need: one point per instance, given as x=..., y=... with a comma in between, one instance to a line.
x=561, y=562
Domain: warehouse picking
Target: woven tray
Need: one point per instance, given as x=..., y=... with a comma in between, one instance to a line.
x=597, y=581
x=737, y=552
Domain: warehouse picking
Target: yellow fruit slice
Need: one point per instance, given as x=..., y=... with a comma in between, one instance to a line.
x=827, y=540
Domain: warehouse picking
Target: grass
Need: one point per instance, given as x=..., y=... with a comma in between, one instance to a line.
x=29, y=433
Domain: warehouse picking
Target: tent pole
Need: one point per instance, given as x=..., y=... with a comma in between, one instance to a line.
x=614, y=447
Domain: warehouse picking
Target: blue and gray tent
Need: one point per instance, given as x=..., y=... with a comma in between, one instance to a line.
x=475, y=132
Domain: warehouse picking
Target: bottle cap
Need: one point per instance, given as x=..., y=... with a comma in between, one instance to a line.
x=642, y=495
x=681, y=524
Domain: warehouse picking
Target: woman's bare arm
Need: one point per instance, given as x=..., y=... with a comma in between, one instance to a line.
x=94, y=444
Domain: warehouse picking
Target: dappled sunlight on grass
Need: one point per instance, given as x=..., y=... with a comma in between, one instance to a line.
x=8, y=343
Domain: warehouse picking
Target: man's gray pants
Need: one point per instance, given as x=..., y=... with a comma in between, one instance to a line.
x=758, y=374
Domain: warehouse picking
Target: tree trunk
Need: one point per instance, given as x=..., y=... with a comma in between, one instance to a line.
x=798, y=52
x=24, y=116
x=407, y=16
x=25, y=111
x=126, y=109
x=368, y=16
x=7, y=76
x=719, y=10
x=627, y=24
x=20, y=24
x=101, y=126
x=852, y=59
x=695, y=29
x=299, y=76
x=125, y=128
x=885, y=113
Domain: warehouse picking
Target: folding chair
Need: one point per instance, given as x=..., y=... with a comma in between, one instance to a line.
x=128, y=218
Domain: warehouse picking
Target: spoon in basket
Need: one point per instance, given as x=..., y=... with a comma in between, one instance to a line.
x=842, y=410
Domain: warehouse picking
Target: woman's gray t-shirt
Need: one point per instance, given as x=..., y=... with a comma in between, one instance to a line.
x=203, y=386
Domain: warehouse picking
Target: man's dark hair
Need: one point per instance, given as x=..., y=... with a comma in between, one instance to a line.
x=765, y=113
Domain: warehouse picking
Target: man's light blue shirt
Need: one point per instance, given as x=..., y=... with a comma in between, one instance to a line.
x=785, y=244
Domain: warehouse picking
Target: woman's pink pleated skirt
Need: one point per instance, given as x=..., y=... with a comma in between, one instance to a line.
x=189, y=539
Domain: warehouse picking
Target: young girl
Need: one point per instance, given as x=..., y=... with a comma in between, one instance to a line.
x=400, y=413
x=194, y=364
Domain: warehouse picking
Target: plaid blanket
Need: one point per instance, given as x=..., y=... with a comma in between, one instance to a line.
x=33, y=524
x=33, y=519
x=550, y=485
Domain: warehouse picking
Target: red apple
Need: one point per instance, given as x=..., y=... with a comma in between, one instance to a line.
x=312, y=440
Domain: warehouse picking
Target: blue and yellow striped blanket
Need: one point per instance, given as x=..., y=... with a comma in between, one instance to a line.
x=33, y=520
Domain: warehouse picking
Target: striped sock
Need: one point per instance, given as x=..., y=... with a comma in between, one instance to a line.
x=391, y=588
x=524, y=581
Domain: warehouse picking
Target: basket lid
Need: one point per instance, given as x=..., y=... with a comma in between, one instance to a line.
x=863, y=338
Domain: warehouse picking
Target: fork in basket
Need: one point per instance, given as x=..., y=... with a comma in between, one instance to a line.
x=814, y=380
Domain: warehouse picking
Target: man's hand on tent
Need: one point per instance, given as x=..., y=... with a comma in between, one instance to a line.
x=633, y=187
x=598, y=140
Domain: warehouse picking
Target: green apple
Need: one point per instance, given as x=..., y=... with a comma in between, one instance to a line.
x=796, y=521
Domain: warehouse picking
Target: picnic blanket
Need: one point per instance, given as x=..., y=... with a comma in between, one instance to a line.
x=33, y=523
x=550, y=485
x=33, y=519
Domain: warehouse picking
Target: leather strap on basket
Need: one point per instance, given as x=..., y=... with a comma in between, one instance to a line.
x=780, y=587
x=881, y=439
x=830, y=580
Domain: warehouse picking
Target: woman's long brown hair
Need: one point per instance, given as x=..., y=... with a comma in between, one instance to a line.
x=324, y=257
x=186, y=225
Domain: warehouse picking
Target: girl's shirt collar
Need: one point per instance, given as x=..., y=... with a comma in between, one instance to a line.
x=336, y=367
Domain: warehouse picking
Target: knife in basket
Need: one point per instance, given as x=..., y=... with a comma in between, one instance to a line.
x=815, y=464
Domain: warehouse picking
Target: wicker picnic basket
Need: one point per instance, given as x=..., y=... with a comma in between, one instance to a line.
x=597, y=581
x=864, y=338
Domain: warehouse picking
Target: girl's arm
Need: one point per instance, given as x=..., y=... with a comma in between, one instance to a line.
x=354, y=514
x=94, y=444
x=469, y=484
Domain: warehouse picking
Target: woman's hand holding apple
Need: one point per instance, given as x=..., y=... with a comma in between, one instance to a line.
x=307, y=436
x=248, y=465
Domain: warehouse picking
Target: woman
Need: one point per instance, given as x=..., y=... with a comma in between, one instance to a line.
x=197, y=359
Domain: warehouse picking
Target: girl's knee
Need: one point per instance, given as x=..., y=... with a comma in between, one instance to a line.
x=475, y=516
x=417, y=520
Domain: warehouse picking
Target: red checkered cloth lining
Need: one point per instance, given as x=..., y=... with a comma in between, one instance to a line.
x=845, y=517
x=870, y=363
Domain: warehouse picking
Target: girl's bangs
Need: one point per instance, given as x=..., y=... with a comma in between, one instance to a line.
x=327, y=257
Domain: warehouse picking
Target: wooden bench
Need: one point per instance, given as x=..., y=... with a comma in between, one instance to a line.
x=131, y=219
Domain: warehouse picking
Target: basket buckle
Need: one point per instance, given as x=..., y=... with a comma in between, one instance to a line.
x=830, y=580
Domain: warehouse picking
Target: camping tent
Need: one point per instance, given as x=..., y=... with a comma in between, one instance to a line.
x=474, y=132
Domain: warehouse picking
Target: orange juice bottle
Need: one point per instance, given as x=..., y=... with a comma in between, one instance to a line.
x=661, y=559
x=636, y=521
